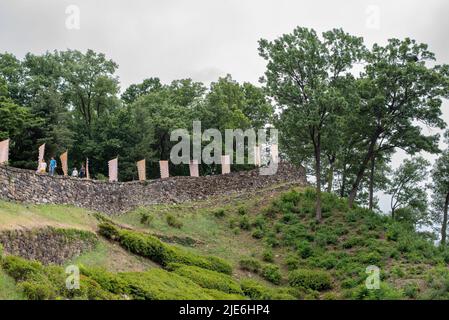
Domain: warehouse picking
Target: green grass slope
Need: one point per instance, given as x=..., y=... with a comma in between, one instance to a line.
x=265, y=245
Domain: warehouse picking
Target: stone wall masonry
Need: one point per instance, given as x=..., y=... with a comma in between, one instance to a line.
x=118, y=197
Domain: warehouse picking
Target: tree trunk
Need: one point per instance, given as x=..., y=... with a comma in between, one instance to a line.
x=371, y=183
x=330, y=174
x=317, y=150
x=343, y=182
x=444, y=224
x=361, y=172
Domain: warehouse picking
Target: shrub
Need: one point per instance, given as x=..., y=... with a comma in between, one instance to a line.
x=304, y=249
x=369, y=257
x=244, y=223
x=259, y=222
x=219, y=213
x=255, y=290
x=385, y=292
x=40, y=282
x=310, y=279
x=250, y=264
x=267, y=255
x=291, y=261
x=38, y=290
x=271, y=273
x=108, y=230
x=209, y=279
x=242, y=211
x=352, y=242
x=146, y=218
x=411, y=290
x=154, y=249
x=233, y=222
x=174, y=222
x=258, y=233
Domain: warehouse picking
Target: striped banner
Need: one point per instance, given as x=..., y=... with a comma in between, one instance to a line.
x=113, y=170
x=87, y=169
x=41, y=155
x=163, y=164
x=193, y=166
x=4, y=151
x=141, y=169
x=64, y=165
x=225, y=164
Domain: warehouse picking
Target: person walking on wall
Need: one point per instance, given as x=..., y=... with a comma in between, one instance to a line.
x=42, y=167
x=53, y=165
x=75, y=173
x=82, y=171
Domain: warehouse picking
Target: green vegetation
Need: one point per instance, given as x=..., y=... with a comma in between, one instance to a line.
x=209, y=279
x=154, y=249
x=295, y=257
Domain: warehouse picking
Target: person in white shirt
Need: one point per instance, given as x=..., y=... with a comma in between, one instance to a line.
x=42, y=167
x=74, y=172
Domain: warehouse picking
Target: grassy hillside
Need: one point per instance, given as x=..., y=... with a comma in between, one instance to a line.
x=265, y=245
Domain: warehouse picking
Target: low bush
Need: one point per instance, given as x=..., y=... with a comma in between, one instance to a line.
x=310, y=279
x=146, y=218
x=271, y=273
x=255, y=290
x=244, y=223
x=291, y=261
x=258, y=233
x=219, y=213
x=250, y=264
x=209, y=279
x=385, y=292
x=267, y=255
x=242, y=211
x=154, y=249
x=173, y=221
x=40, y=282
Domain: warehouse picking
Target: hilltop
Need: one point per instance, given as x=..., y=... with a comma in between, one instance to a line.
x=262, y=245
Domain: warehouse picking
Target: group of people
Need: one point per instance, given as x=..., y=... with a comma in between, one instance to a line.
x=53, y=165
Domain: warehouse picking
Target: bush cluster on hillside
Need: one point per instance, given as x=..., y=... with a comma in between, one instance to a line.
x=162, y=253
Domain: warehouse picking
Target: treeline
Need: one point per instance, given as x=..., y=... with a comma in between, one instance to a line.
x=342, y=110
x=70, y=101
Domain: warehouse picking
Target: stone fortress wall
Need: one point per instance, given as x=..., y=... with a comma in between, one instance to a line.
x=117, y=197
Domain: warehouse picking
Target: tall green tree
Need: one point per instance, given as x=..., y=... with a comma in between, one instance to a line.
x=408, y=192
x=440, y=192
x=303, y=76
x=399, y=93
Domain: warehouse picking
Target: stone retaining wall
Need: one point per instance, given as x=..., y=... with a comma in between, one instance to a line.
x=113, y=198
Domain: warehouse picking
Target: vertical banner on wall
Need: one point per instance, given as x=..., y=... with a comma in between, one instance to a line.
x=275, y=153
x=163, y=164
x=193, y=166
x=141, y=169
x=113, y=170
x=87, y=169
x=4, y=151
x=64, y=165
x=257, y=160
x=41, y=155
x=225, y=164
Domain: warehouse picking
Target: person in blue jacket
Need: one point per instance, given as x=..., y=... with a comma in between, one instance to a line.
x=52, y=166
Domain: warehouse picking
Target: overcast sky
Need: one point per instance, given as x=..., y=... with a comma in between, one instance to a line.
x=205, y=39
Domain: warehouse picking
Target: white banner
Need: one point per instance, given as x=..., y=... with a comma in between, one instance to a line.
x=113, y=170
x=141, y=169
x=163, y=164
x=225, y=164
x=4, y=151
x=193, y=166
